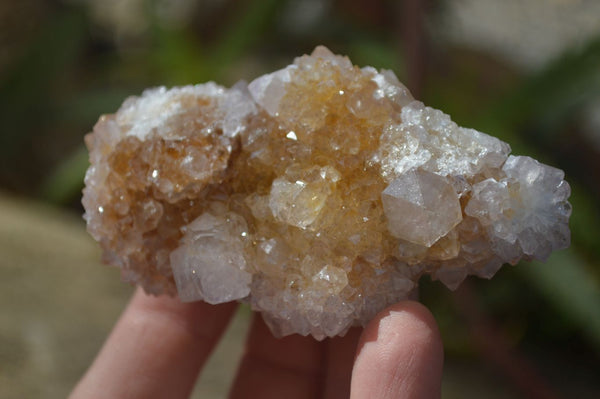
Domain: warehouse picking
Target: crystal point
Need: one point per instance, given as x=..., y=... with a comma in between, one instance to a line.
x=319, y=194
x=420, y=198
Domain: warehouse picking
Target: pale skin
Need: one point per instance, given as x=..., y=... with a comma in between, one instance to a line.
x=160, y=345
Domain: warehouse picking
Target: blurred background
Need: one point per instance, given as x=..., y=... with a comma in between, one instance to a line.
x=525, y=71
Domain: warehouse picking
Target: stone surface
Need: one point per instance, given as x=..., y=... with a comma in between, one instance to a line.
x=319, y=194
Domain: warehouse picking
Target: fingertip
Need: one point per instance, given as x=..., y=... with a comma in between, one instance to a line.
x=400, y=355
x=409, y=320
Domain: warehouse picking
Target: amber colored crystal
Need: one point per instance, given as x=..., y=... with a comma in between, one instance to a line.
x=319, y=194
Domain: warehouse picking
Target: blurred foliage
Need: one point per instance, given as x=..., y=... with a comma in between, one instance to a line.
x=73, y=70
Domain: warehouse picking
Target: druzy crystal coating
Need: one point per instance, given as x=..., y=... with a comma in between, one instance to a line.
x=319, y=194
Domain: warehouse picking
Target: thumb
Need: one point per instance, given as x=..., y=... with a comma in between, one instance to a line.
x=400, y=355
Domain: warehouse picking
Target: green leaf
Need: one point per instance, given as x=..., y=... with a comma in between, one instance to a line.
x=366, y=51
x=87, y=106
x=243, y=31
x=24, y=92
x=566, y=282
x=67, y=179
x=181, y=58
x=551, y=94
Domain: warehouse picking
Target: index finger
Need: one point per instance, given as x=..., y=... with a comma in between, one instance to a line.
x=156, y=349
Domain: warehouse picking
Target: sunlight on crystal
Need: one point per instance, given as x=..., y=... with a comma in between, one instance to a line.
x=319, y=194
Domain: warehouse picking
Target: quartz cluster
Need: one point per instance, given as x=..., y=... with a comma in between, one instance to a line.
x=319, y=194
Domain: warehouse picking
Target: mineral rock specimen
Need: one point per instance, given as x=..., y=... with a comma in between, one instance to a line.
x=319, y=194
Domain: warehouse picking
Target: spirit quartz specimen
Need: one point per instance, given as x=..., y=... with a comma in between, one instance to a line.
x=319, y=194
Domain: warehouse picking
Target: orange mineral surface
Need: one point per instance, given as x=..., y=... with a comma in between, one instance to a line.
x=319, y=194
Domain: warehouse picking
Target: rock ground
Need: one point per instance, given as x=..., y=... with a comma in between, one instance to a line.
x=57, y=304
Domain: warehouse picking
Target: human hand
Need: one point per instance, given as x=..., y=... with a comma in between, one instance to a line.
x=159, y=346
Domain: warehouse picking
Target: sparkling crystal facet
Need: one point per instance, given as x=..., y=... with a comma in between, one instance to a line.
x=424, y=199
x=319, y=194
